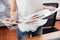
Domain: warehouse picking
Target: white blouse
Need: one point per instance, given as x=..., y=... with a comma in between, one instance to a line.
x=27, y=7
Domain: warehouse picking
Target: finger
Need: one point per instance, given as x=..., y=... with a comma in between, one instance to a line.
x=38, y=17
x=33, y=21
x=18, y=22
x=52, y=8
x=7, y=24
x=35, y=15
x=9, y=19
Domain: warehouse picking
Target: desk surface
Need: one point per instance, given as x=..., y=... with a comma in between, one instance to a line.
x=49, y=36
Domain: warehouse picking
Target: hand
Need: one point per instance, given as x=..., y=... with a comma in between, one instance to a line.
x=8, y=21
x=32, y=21
x=37, y=16
x=51, y=8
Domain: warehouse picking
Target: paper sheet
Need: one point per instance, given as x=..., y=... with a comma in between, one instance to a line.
x=44, y=13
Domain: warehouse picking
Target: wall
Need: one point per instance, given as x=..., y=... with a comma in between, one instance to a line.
x=53, y=1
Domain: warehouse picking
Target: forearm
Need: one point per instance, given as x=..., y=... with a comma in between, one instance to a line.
x=13, y=14
x=46, y=7
x=13, y=9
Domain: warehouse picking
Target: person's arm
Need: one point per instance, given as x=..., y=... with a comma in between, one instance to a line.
x=13, y=9
x=12, y=18
x=51, y=8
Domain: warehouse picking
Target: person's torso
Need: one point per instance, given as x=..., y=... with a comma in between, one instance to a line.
x=27, y=7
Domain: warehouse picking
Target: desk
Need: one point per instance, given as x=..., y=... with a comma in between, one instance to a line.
x=52, y=35
x=48, y=36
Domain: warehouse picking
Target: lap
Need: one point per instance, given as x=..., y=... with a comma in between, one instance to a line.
x=38, y=32
x=22, y=35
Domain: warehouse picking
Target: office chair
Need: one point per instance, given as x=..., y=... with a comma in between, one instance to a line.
x=49, y=26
